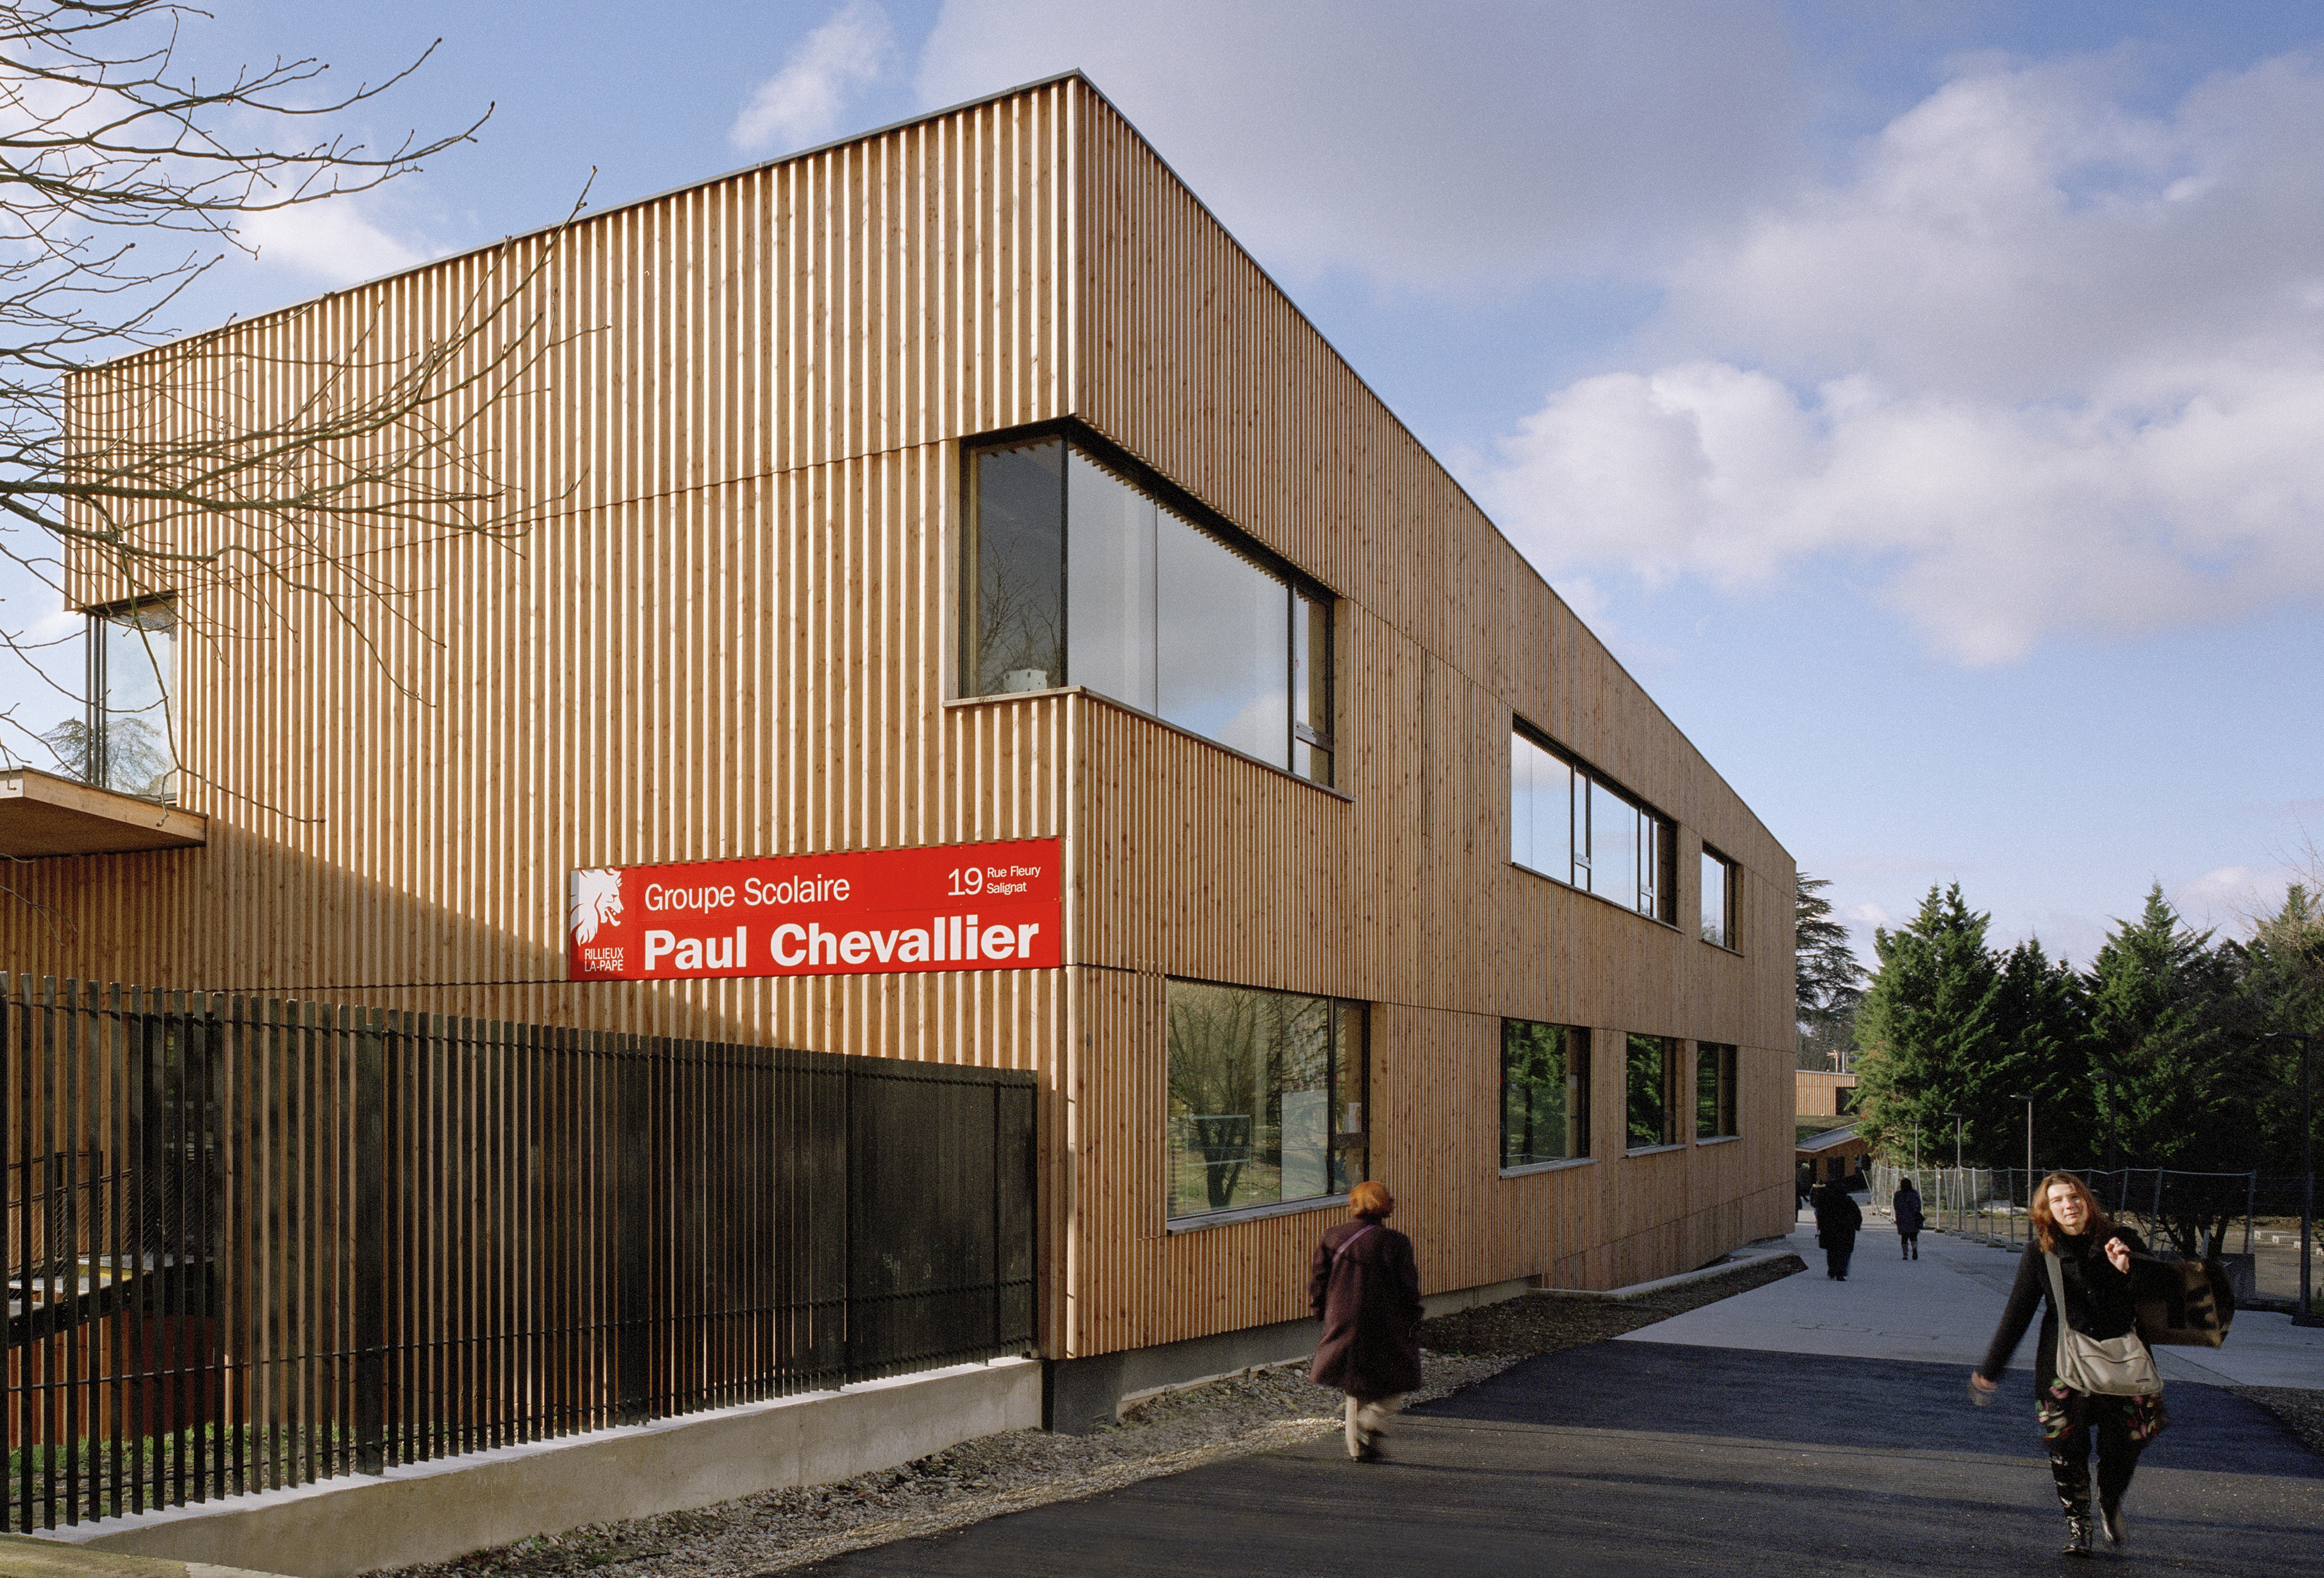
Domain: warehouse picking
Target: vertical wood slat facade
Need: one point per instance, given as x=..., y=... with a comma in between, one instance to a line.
x=730, y=631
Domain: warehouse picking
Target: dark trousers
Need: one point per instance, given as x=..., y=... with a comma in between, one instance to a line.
x=2117, y=1460
x=1912, y=1242
x=1835, y=1262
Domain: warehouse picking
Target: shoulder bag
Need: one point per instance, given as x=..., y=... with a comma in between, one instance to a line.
x=2187, y=1303
x=2117, y=1367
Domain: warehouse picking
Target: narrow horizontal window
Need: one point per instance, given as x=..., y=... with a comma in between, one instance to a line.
x=1266, y=1098
x=1544, y=1093
x=1569, y=823
x=1076, y=573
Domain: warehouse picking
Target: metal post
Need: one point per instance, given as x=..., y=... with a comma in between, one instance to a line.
x=2306, y=1316
x=369, y=1265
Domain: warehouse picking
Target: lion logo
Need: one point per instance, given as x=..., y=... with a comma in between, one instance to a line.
x=597, y=901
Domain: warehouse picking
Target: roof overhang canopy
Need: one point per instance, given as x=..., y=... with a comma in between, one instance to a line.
x=41, y=814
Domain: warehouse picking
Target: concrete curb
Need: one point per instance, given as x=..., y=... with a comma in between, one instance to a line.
x=28, y=1556
x=433, y=1512
x=1744, y=1257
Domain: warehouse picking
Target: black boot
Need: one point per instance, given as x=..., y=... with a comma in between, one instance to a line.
x=2110, y=1524
x=2073, y=1476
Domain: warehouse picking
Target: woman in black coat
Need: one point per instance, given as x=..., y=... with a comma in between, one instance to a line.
x=2094, y=1266
x=1365, y=1288
x=1837, y=1219
x=1907, y=1207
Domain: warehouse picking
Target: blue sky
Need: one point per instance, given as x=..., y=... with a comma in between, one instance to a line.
x=1920, y=399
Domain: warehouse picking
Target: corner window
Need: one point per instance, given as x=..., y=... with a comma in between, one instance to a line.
x=1570, y=825
x=1718, y=895
x=1077, y=574
x=1266, y=1098
x=1650, y=1073
x=1544, y=1093
x=1714, y=1091
x=133, y=681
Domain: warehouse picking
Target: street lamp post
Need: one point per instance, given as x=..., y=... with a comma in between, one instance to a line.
x=2306, y=1316
x=2029, y=1155
x=1956, y=1117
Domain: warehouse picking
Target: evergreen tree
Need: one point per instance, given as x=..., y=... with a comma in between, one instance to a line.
x=2280, y=987
x=2042, y=1050
x=2177, y=1088
x=1928, y=1034
x=1827, y=980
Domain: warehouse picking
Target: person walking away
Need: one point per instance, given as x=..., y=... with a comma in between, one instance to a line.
x=1365, y=1287
x=1906, y=1205
x=1838, y=1218
x=2095, y=1268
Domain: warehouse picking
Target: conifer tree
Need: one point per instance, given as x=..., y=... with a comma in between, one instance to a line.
x=2177, y=1089
x=1928, y=1032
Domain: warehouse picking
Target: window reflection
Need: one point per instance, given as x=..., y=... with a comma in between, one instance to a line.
x=1014, y=631
x=1266, y=1097
x=1566, y=823
x=132, y=725
x=1082, y=577
x=1224, y=625
x=1544, y=1093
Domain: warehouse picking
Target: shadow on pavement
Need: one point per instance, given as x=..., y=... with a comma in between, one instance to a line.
x=1636, y=1458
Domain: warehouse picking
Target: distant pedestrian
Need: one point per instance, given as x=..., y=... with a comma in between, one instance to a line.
x=1365, y=1288
x=1837, y=1221
x=1907, y=1209
x=2094, y=1269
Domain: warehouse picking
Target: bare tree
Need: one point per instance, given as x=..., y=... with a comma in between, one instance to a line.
x=168, y=475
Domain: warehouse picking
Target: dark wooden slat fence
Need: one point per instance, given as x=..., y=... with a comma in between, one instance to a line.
x=254, y=1243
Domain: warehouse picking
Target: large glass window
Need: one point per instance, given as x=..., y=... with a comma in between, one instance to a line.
x=1567, y=823
x=132, y=663
x=1266, y=1097
x=1544, y=1093
x=1651, y=1074
x=1080, y=576
x=1714, y=1091
x=1718, y=894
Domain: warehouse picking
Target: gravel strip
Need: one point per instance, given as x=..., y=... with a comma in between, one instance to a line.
x=2301, y=1411
x=1253, y=1411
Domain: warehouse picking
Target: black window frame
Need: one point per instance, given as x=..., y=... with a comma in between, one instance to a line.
x=95, y=766
x=1664, y=833
x=1724, y=1061
x=1731, y=894
x=1576, y=1086
x=1634, y=1044
x=1306, y=594
x=1348, y=1158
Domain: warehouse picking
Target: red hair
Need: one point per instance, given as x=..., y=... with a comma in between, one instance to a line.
x=1371, y=1198
x=2045, y=1227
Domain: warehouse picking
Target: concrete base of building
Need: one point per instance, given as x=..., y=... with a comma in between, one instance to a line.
x=1082, y=1396
x=432, y=1511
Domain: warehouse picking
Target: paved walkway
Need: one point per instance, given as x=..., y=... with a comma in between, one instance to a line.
x=1943, y=1307
x=1800, y=1429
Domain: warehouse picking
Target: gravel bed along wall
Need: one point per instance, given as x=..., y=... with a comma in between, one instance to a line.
x=1253, y=1411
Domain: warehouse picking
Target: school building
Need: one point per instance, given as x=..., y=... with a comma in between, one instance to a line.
x=964, y=613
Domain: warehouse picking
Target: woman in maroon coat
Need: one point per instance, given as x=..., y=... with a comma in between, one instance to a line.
x=1365, y=1288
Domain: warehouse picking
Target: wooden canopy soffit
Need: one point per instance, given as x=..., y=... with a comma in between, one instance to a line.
x=41, y=814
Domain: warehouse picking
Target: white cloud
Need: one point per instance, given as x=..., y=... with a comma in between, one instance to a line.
x=803, y=101
x=334, y=241
x=1436, y=147
x=2048, y=365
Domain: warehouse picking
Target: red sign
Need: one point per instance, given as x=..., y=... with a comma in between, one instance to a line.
x=946, y=907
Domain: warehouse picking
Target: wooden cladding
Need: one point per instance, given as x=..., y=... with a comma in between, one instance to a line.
x=728, y=629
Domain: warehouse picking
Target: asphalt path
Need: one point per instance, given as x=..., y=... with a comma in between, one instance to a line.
x=1638, y=1457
